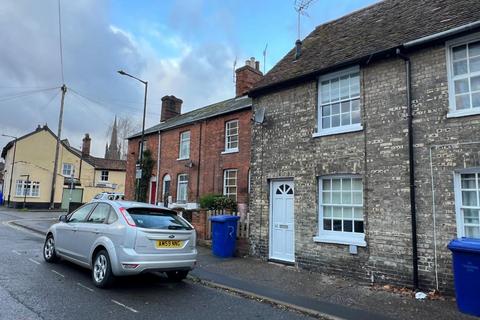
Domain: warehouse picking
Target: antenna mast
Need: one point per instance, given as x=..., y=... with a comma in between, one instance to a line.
x=301, y=7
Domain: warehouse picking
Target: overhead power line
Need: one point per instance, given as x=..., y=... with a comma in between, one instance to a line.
x=24, y=94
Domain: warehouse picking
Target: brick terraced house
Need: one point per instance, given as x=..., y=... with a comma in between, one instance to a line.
x=205, y=151
x=368, y=161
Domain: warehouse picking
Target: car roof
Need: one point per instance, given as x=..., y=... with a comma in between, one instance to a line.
x=133, y=204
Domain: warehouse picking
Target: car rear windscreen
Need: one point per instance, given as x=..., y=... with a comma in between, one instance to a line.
x=157, y=219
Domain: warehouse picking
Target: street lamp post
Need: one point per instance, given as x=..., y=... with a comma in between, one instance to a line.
x=123, y=73
x=13, y=163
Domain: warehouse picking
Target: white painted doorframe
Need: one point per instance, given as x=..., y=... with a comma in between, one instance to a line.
x=273, y=186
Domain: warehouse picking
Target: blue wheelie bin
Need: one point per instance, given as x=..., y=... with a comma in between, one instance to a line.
x=224, y=235
x=466, y=272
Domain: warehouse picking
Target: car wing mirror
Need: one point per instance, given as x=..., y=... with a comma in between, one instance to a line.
x=62, y=218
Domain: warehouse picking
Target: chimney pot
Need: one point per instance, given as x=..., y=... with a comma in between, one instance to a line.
x=171, y=107
x=247, y=76
x=86, y=145
x=298, y=49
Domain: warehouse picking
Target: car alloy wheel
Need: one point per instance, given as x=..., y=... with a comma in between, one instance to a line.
x=49, y=253
x=49, y=248
x=100, y=268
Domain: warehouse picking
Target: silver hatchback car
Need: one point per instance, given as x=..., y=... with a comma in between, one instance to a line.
x=119, y=238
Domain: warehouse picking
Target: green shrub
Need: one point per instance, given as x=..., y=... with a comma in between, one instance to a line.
x=208, y=201
x=217, y=202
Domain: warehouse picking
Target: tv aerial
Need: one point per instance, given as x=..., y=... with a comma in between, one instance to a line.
x=301, y=7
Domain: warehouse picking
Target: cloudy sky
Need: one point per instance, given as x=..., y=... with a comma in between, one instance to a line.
x=185, y=48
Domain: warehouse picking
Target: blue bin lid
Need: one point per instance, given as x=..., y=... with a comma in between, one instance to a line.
x=465, y=245
x=224, y=218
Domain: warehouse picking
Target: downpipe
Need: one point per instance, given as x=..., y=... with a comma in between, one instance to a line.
x=411, y=164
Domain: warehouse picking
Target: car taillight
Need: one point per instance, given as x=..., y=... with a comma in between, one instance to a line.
x=127, y=217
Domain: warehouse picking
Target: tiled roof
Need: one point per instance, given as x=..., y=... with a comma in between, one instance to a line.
x=361, y=34
x=98, y=163
x=209, y=111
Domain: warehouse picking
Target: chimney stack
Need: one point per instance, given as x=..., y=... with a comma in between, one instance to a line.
x=86, y=145
x=171, y=107
x=247, y=76
x=298, y=49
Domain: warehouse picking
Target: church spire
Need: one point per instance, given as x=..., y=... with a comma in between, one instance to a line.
x=112, y=151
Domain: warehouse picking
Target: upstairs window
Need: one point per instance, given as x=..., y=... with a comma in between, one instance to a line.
x=104, y=175
x=67, y=169
x=464, y=76
x=231, y=136
x=339, y=102
x=184, y=150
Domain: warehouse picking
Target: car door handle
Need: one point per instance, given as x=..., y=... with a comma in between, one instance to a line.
x=96, y=231
x=74, y=229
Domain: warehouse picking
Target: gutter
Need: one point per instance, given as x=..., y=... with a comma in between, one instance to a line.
x=443, y=34
x=411, y=166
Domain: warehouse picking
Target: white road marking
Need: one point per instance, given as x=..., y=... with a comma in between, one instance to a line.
x=16, y=252
x=84, y=287
x=57, y=273
x=11, y=225
x=34, y=261
x=126, y=307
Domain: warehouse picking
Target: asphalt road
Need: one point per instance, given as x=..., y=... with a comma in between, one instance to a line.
x=33, y=289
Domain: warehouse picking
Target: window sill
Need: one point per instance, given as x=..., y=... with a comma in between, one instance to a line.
x=339, y=130
x=463, y=113
x=230, y=151
x=356, y=240
x=180, y=159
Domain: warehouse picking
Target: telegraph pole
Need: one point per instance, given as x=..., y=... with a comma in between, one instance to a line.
x=57, y=148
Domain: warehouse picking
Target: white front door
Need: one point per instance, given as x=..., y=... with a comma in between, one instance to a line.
x=282, y=233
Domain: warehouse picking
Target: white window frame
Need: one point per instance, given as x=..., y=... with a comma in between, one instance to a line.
x=345, y=128
x=229, y=149
x=458, y=198
x=71, y=169
x=33, y=185
x=226, y=187
x=338, y=237
x=452, y=110
x=102, y=176
x=183, y=140
x=185, y=183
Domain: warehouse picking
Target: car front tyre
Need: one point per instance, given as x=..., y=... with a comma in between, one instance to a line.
x=102, y=275
x=49, y=253
x=177, y=276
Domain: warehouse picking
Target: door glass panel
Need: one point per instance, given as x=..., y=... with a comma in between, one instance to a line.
x=100, y=213
x=81, y=213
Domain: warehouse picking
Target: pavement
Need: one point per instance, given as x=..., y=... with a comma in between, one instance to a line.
x=313, y=294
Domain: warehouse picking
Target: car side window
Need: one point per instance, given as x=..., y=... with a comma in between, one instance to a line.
x=81, y=213
x=99, y=214
x=112, y=216
x=111, y=197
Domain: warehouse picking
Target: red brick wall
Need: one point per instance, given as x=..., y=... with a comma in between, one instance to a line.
x=207, y=141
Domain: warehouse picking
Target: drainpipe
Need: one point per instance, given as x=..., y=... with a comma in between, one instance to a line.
x=158, y=169
x=411, y=164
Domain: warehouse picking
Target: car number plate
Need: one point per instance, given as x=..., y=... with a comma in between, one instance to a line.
x=169, y=244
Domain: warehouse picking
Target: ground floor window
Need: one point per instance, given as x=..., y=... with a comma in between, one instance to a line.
x=182, y=188
x=467, y=190
x=341, y=210
x=230, y=184
x=27, y=188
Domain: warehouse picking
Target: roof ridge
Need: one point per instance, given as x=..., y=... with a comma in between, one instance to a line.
x=370, y=6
